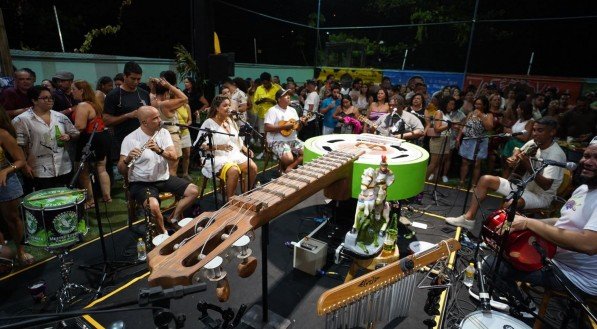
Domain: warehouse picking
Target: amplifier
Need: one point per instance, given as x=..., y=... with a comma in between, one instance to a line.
x=309, y=255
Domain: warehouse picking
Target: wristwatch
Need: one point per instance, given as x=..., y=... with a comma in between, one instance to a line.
x=160, y=151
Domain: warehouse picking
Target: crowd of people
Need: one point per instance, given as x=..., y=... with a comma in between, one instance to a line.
x=45, y=127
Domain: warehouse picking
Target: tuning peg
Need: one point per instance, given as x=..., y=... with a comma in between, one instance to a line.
x=249, y=263
x=215, y=273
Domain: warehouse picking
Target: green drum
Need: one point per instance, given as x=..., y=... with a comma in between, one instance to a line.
x=55, y=217
x=407, y=161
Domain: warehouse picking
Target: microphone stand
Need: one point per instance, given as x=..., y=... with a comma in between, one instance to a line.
x=106, y=267
x=248, y=135
x=209, y=133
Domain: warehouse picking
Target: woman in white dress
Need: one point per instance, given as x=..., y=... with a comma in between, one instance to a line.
x=230, y=153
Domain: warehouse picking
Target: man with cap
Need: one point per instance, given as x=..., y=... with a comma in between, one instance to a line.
x=288, y=148
x=63, y=99
x=15, y=100
x=263, y=99
x=311, y=128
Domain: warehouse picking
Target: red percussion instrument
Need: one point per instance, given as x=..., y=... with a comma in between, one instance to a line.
x=518, y=250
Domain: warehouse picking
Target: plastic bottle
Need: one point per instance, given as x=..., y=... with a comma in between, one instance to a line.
x=141, y=251
x=469, y=275
x=57, y=134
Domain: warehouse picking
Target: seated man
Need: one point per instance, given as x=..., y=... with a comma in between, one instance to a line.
x=540, y=192
x=288, y=148
x=574, y=233
x=399, y=123
x=150, y=146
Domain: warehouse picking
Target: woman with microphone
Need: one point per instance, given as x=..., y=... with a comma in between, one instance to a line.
x=229, y=152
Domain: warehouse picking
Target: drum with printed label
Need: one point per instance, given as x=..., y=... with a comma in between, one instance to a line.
x=55, y=217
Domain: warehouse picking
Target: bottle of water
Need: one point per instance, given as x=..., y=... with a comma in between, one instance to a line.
x=469, y=275
x=141, y=251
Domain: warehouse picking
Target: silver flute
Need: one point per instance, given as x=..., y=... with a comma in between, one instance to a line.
x=142, y=149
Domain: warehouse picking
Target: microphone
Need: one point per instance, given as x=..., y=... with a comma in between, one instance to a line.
x=420, y=116
x=568, y=165
x=514, y=134
x=169, y=123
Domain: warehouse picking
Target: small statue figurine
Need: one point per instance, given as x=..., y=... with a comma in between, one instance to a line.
x=373, y=212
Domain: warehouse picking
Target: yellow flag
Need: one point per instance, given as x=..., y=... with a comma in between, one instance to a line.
x=217, y=44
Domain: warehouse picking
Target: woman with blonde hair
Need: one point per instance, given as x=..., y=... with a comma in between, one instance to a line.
x=229, y=152
x=88, y=118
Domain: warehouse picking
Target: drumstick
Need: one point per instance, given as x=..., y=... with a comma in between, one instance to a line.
x=55, y=195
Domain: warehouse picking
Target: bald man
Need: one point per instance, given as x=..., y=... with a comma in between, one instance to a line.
x=149, y=148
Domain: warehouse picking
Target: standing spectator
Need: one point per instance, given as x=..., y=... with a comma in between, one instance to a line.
x=118, y=80
x=63, y=99
x=362, y=102
x=168, y=99
x=10, y=188
x=538, y=106
x=578, y=126
x=48, y=84
x=457, y=117
x=15, y=100
x=379, y=107
x=263, y=99
x=356, y=90
x=88, y=117
x=329, y=80
x=347, y=110
x=311, y=128
x=467, y=104
x=495, y=144
x=478, y=122
x=386, y=83
x=197, y=102
x=103, y=87
x=328, y=107
x=524, y=122
x=121, y=104
x=238, y=100
x=439, y=146
x=44, y=135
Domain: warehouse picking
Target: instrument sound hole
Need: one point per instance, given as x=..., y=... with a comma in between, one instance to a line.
x=327, y=148
x=214, y=242
x=335, y=141
x=399, y=148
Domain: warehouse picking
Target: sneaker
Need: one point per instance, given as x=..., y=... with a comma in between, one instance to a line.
x=461, y=221
x=431, y=177
x=445, y=179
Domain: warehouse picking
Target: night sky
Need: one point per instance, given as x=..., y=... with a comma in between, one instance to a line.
x=152, y=28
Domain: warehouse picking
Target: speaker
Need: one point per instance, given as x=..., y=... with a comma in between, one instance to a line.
x=220, y=66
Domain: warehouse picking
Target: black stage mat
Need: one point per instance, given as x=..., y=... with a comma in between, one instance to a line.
x=292, y=293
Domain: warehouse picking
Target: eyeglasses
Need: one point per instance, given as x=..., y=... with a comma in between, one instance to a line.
x=46, y=99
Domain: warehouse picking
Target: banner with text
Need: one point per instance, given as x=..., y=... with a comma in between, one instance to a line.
x=435, y=81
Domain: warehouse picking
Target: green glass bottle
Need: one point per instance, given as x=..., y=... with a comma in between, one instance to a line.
x=389, y=243
x=57, y=134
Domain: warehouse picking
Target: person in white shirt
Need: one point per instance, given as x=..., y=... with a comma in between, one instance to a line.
x=540, y=192
x=574, y=233
x=311, y=128
x=150, y=147
x=44, y=135
x=288, y=148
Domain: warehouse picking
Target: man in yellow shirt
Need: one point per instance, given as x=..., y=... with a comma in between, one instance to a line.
x=263, y=100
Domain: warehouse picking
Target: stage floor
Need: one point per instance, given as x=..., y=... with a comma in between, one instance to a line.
x=292, y=294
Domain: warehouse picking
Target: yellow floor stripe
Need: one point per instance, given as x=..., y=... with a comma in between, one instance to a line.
x=90, y=319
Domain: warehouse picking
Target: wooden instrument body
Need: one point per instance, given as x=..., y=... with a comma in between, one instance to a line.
x=407, y=161
x=518, y=171
x=295, y=124
x=371, y=282
x=518, y=249
x=364, y=119
x=176, y=266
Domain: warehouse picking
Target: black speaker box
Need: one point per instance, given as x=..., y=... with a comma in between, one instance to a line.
x=220, y=66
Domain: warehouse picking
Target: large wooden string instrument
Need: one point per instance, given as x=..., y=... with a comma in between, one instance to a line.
x=186, y=252
x=364, y=119
x=518, y=171
x=380, y=295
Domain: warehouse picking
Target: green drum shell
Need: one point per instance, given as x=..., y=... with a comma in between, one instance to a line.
x=41, y=220
x=409, y=175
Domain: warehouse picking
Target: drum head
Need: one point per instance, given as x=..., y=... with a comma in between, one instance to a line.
x=491, y=320
x=53, y=198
